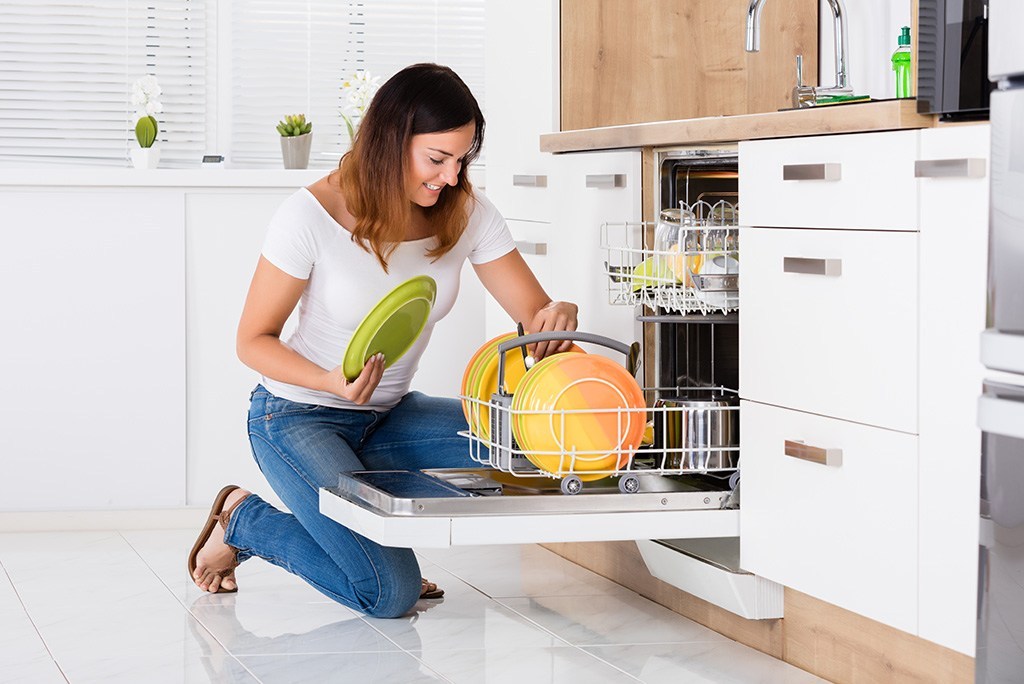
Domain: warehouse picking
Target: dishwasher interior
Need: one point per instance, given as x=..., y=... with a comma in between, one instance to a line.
x=699, y=348
x=680, y=272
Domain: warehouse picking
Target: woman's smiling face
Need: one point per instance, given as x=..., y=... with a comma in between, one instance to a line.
x=435, y=160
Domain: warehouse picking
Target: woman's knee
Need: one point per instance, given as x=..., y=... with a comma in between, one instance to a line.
x=393, y=591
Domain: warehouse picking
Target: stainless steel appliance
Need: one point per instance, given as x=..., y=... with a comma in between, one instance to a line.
x=1000, y=645
x=952, y=78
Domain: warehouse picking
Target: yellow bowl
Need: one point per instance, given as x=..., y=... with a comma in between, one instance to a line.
x=480, y=381
x=469, y=379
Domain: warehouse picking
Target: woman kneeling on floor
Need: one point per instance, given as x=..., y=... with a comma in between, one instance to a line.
x=399, y=205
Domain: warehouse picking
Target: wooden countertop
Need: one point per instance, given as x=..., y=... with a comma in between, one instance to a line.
x=885, y=115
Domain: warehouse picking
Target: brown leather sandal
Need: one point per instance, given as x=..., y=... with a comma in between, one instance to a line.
x=430, y=590
x=217, y=515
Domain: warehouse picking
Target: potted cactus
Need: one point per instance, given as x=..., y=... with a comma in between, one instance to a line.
x=296, y=138
x=145, y=92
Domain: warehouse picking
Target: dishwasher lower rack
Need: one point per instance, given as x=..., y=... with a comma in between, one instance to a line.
x=687, y=431
x=701, y=276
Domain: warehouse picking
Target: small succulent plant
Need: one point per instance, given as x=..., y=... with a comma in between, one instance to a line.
x=145, y=131
x=293, y=125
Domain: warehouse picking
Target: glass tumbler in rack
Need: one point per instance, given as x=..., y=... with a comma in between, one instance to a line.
x=674, y=238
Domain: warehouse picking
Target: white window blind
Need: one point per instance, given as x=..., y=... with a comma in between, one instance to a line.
x=316, y=43
x=66, y=70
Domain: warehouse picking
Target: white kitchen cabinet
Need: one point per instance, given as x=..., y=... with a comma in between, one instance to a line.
x=594, y=188
x=860, y=181
x=94, y=356
x=844, y=528
x=953, y=188
x=566, y=256
x=828, y=323
x=521, y=81
x=903, y=342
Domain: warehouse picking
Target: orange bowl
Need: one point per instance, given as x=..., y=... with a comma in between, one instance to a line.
x=590, y=415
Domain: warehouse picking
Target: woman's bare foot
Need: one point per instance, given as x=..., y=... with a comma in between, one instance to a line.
x=216, y=560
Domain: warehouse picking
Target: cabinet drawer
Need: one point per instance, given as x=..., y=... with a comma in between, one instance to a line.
x=828, y=323
x=864, y=181
x=522, y=193
x=845, y=533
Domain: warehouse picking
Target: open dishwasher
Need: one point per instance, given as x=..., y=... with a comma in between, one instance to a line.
x=669, y=488
x=663, y=486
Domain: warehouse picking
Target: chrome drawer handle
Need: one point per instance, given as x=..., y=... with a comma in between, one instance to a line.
x=805, y=452
x=825, y=267
x=803, y=172
x=523, y=181
x=606, y=180
x=949, y=168
x=538, y=248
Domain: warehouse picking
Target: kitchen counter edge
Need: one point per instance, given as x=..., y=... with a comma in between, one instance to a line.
x=81, y=176
x=860, y=117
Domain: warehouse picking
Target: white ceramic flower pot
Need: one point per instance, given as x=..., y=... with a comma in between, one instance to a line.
x=146, y=157
x=295, y=150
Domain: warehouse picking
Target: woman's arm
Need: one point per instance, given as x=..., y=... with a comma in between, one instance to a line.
x=511, y=282
x=272, y=297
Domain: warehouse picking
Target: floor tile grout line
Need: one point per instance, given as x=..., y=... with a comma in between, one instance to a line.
x=606, y=662
x=533, y=622
x=429, y=668
x=187, y=609
x=31, y=621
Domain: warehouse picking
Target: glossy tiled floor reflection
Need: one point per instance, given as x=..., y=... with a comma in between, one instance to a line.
x=117, y=607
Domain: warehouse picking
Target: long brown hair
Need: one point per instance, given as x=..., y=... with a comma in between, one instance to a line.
x=422, y=98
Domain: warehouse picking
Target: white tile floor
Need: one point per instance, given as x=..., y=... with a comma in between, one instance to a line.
x=118, y=607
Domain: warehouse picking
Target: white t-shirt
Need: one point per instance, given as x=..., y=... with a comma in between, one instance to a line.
x=345, y=282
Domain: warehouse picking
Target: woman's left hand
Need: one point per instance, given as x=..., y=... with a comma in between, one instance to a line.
x=555, y=316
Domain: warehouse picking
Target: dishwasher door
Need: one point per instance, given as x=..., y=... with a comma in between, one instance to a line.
x=440, y=508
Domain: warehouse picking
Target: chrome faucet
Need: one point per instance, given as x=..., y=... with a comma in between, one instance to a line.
x=804, y=95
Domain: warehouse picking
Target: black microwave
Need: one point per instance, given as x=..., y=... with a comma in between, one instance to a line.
x=952, y=58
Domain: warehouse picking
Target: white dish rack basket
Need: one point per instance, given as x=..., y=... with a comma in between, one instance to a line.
x=663, y=451
x=698, y=276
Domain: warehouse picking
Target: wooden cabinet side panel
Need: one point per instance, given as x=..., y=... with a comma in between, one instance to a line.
x=842, y=646
x=632, y=61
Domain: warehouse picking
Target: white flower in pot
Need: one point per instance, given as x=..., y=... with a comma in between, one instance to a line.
x=145, y=92
x=359, y=89
x=296, y=139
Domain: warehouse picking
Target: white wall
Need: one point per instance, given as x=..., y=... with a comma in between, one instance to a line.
x=873, y=26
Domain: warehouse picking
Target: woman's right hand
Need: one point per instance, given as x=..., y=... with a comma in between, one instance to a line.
x=360, y=390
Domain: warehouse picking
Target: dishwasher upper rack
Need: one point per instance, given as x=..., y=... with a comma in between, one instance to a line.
x=699, y=277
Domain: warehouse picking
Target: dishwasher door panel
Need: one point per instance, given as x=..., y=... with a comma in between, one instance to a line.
x=528, y=510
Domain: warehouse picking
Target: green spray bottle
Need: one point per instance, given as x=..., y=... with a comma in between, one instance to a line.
x=901, y=63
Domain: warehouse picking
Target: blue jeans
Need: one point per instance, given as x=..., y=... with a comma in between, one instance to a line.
x=302, y=447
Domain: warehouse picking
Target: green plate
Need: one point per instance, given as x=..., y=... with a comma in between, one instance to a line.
x=392, y=326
